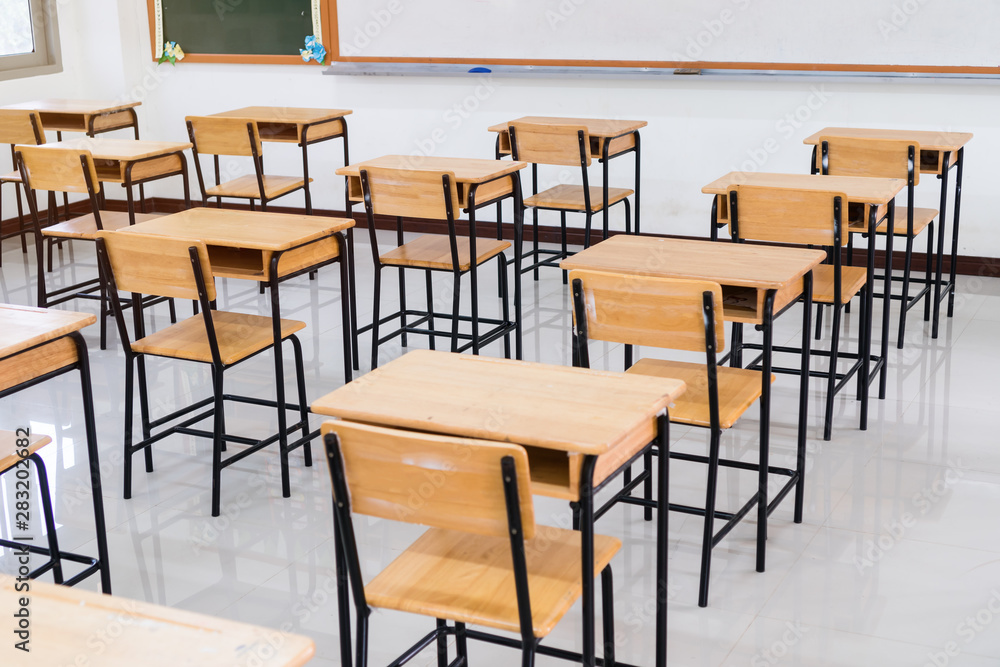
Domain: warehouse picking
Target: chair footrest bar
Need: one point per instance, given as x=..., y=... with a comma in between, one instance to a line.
x=541, y=649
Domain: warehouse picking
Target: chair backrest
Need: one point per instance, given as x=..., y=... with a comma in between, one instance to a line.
x=59, y=169
x=431, y=480
x=212, y=135
x=879, y=158
x=787, y=215
x=540, y=143
x=156, y=265
x=410, y=192
x=643, y=310
x=18, y=126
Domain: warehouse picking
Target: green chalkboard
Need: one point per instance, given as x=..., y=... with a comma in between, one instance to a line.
x=254, y=27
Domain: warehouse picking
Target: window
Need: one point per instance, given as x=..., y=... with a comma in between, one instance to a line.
x=29, y=38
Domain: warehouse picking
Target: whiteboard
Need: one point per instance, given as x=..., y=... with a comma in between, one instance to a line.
x=889, y=33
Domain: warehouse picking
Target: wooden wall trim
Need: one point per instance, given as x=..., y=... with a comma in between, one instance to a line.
x=969, y=265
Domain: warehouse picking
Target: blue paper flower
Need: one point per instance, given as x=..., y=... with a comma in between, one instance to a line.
x=171, y=52
x=313, y=51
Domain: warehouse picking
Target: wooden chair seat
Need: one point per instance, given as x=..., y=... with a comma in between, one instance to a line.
x=571, y=198
x=12, y=177
x=921, y=218
x=85, y=227
x=739, y=388
x=434, y=252
x=246, y=187
x=8, y=448
x=853, y=278
x=469, y=579
x=239, y=335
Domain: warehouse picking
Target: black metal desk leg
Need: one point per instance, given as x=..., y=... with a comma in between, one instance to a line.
x=767, y=327
x=954, y=231
x=662, y=522
x=518, y=260
x=637, y=156
x=587, y=557
x=279, y=376
x=938, y=261
x=887, y=301
x=95, y=465
x=800, y=458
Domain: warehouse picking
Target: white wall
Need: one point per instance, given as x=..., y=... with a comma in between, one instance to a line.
x=699, y=127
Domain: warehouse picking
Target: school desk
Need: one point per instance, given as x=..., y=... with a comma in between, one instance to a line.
x=566, y=418
x=759, y=283
x=268, y=248
x=294, y=125
x=37, y=344
x=609, y=138
x=480, y=183
x=69, y=626
x=868, y=199
x=939, y=153
x=132, y=162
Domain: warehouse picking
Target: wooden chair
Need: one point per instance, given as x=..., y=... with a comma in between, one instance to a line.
x=237, y=137
x=815, y=218
x=432, y=195
x=69, y=170
x=25, y=128
x=567, y=146
x=483, y=560
x=679, y=315
x=16, y=450
x=175, y=268
x=846, y=156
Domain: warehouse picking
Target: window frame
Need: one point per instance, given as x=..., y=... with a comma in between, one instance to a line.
x=47, y=56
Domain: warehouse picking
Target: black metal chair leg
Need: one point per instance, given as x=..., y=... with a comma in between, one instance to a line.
x=819, y=321
x=534, y=239
x=831, y=380
x=461, y=643
x=456, y=304
x=628, y=217
x=129, y=389
x=562, y=235
x=300, y=382
x=430, y=305
x=905, y=299
x=929, y=281
x=144, y=412
x=402, y=306
x=608, y=616
x=586, y=231
x=504, y=305
x=647, y=485
x=50, y=521
x=442, y=643
x=217, y=433
x=376, y=317
x=709, y=527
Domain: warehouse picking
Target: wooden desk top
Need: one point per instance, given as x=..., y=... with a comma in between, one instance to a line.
x=121, y=150
x=297, y=115
x=735, y=264
x=82, y=107
x=596, y=127
x=65, y=622
x=258, y=230
x=928, y=139
x=466, y=170
x=22, y=327
x=555, y=407
x=858, y=189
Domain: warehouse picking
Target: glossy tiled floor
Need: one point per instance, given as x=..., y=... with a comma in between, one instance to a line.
x=896, y=563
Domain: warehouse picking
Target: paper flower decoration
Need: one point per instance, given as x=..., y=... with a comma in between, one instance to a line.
x=313, y=51
x=171, y=52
